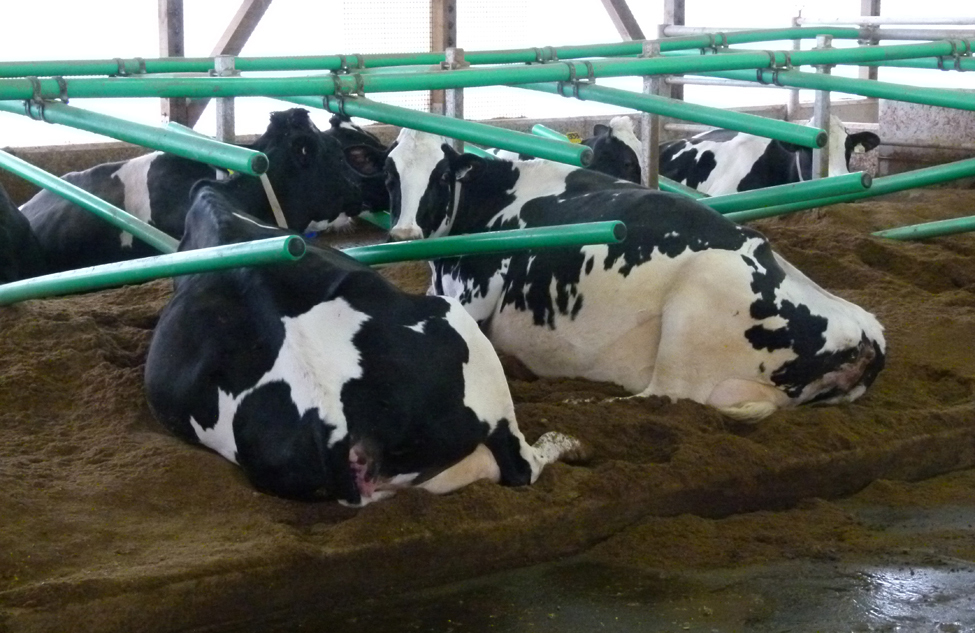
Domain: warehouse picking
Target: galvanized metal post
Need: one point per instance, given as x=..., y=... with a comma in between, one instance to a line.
x=792, y=105
x=443, y=35
x=650, y=124
x=820, y=155
x=673, y=16
x=223, y=66
x=454, y=97
x=869, y=8
x=171, y=45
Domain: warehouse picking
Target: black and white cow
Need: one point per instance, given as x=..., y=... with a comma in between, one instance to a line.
x=322, y=379
x=723, y=161
x=615, y=150
x=306, y=172
x=20, y=254
x=690, y=305
x=365, y=155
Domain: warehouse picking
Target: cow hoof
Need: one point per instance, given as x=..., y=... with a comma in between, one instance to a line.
x=566, y=448
x=749, y=412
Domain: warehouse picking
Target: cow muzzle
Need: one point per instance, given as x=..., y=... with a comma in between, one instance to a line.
x=403, y=234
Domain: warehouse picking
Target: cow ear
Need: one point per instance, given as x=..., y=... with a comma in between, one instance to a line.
x=365, y=160
x=467, y=167
x=868, y=140
x=337, y=120
x=599, y=129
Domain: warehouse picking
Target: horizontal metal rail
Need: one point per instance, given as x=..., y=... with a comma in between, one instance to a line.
x=171, y=87
x=139, y=66
x=865, y=87
x=881, y=186
x=187, y=144
x=655, y=104
x=806, y=190
x=930, y=229
x=866, y=33
x=471, y=131
x=258, y=253
x=107, y=212
x=492, y=242
x=880, y=19
x=960, y=63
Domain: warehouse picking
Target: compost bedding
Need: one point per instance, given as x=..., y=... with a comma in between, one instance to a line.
x=109, y=523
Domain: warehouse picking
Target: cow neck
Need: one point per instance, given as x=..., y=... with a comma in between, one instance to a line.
x=483, y=197
x=249, y=196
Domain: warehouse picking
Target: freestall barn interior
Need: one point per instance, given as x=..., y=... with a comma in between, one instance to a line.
x=850, y=517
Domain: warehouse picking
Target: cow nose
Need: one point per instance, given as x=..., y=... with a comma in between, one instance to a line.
x=402, y=234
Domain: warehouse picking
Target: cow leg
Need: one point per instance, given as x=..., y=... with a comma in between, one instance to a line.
x=746, y=400
x=480, y=464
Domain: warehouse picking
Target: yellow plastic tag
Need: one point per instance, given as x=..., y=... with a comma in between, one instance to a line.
x=574, y=137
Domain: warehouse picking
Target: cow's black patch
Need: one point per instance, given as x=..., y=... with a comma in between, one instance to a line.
x=776, y=166
x=20, y=253
x=714, y=136
x=687, y=168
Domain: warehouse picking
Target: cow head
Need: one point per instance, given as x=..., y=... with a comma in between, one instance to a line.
x=842, y=145
x=423, y=174
x=307, y=172
x=616, y=151
x=364, y=158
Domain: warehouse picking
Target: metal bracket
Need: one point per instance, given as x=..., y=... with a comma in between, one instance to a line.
x=713, y=44
x=573, y=79
x=339, y=90
x=62, y=88
x=868, y=35
x=344, y=67
x=123, y=71
x=956, y=55
x=545, y=55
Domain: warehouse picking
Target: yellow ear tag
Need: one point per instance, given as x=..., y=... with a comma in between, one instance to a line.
x=574, y=137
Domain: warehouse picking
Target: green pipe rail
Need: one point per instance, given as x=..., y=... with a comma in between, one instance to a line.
x=880, y=186
x=806, y=190
x=943, y=97
x=931, y=63
x=211, y=87
x=665, y=184
x=258, y=253
x=138, y=66
x=546, y=132
x=477, y=151
x=107, y=212
x=930, y=229
x=192, y=145
x=380, y=219
x=610, y=232
x=471, y=131
x=759, y=126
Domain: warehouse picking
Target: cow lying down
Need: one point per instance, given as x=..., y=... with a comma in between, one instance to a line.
x=323, y=380
x=690, y=305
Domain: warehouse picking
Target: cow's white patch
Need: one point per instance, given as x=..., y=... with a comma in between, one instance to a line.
x=485, y=388
x=220, y=437
x=837, y=147
x=622, y=127
x=340, y=222
x=734, y=159
x=536, y=178
x=316, y=359
x=134, y=176
x=418, y=327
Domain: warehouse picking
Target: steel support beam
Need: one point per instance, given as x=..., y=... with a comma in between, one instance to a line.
x=821, y=115
x=231, y=43
x=623, y=19
x=872, y=9
x=673, y=16
x=443, y=35
x=171, y=45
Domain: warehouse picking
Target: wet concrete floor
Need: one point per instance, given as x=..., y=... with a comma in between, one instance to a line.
x=915, y=588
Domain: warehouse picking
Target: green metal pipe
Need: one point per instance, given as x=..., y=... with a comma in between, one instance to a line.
x=111, y=214
x=546, y=132
x=206, y=87
x=759, y=126
x=258, y=253
x=807, y=190
x=865, y=87
x=471, y=131
x=477, y=151
x=931, y=63
x=930, y=229
x=337, y=62
x=881, y=186
x=192, y=145
x=380, y=219
x=492, y=242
